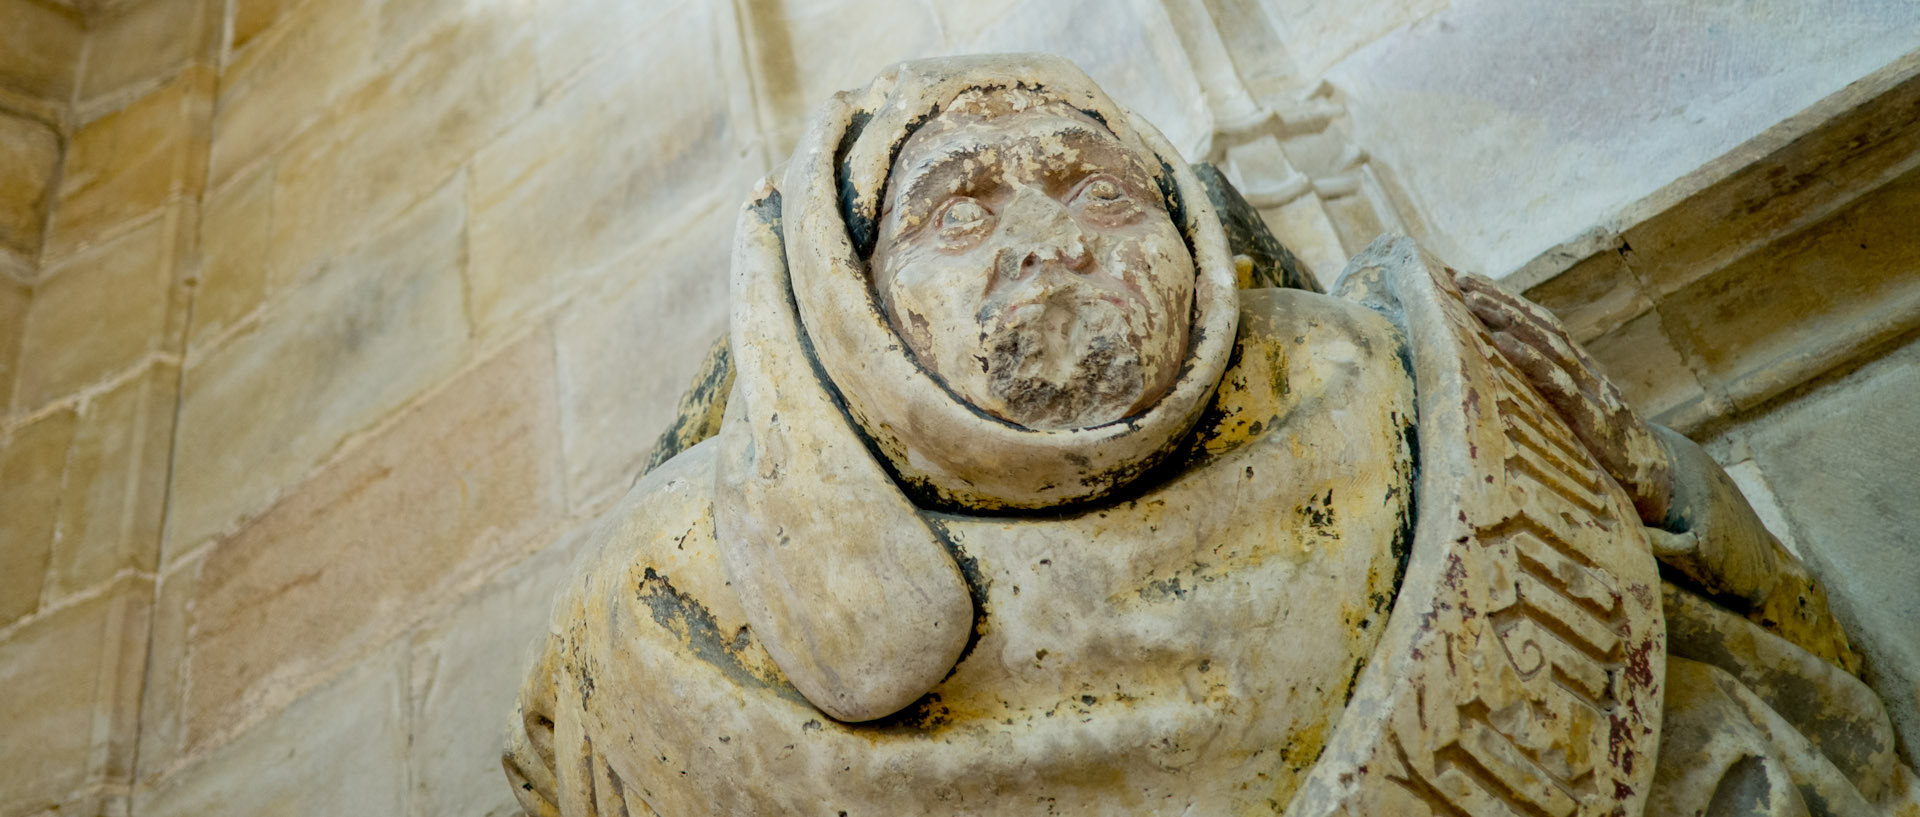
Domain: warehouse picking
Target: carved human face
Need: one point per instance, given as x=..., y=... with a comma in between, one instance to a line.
x=1028, y=261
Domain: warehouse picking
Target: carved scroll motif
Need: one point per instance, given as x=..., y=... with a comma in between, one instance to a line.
x=1520, y=672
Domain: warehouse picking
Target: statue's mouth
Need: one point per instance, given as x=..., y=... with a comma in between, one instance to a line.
x=1068, y=358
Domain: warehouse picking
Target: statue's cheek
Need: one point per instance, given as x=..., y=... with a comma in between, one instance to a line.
x=936, y=312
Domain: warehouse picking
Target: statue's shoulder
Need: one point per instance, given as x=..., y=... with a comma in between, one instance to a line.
x=1278, y=314
x=1303, y=359
x=662, y=526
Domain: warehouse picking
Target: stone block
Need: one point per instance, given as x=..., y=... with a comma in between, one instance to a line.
x=397, y=138
x=340, y=750
x=1639, y=358
x=607, y=163
x=1801, y=182
x=467, y=665
x=164, y=692
x=39, y=49
x=15, y=300
x=33, y=462
x=151, y=40
x=29, y=154
x=287, y=78
x=110, y=506
x=343, y=349
x=1841, y=462
x=573, y=33
x=235, y=228
x=251, y=18
x=70, y=680
x=97, y=314
x=456, y=486
x=1593, y=296
x=1809, y=301
x=810, y=51
x=627, y=356
x=125, y=165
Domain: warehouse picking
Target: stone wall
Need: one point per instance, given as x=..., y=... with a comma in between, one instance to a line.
x=329, y=327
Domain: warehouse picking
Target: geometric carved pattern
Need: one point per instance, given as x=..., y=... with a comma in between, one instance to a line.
x=1520, y=671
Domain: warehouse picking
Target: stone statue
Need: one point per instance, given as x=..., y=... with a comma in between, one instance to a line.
x=1035, y=478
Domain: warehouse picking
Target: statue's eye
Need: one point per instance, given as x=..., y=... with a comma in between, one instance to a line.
x=963, y=213
x=1103, y=190
x=963, y=221
x=1105, y=198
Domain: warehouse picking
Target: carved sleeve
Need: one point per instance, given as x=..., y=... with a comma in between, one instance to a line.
x=1715, y=541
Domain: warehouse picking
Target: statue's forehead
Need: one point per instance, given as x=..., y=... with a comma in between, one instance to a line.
x=1052, y=133
x=948, y=155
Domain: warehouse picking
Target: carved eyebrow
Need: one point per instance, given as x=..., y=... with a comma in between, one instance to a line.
x=914, y=194
x=917, y=199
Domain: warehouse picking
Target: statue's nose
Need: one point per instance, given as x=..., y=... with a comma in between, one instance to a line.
x=1045, y=233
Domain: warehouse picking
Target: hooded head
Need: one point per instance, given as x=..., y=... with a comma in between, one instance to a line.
x=1017, y=288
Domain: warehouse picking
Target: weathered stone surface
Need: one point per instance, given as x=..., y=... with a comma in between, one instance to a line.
x=1318, y=35
x=126, y=164
x=1640, y=359
x=33, y=463
x=342, y=350
x=164, y=694
x=455, y=486
x=397, y=138
x=39, y=50
x=1135, y=57
x=1614, y=103
x=110, y=505
x=868, y=35
x=1785, y=313
x=151, y=40
x=1859, y=140
x=99, y=313
x=253, y=17
x=572, y=34
x=1841, y=463
x=340, y=750
x=15, y=301
x=71, y=681
x=288, y=78
x=467, y=663
x=29, y=155
x=622, y=355
x=1593, y=296
x=547, y=211
x=236, y=225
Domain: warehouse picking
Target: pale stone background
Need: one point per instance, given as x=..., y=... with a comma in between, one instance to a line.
x=328, y=327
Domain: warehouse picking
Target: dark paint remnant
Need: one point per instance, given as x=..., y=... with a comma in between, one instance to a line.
x=977, y=586
x=1318, y=514
x=1353, y=680
x=924, y=716
x=688, y=619
x=1640, y=663
x=1247, y=234
x=860, y=225
x=696, y=418
x=1164, y=590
